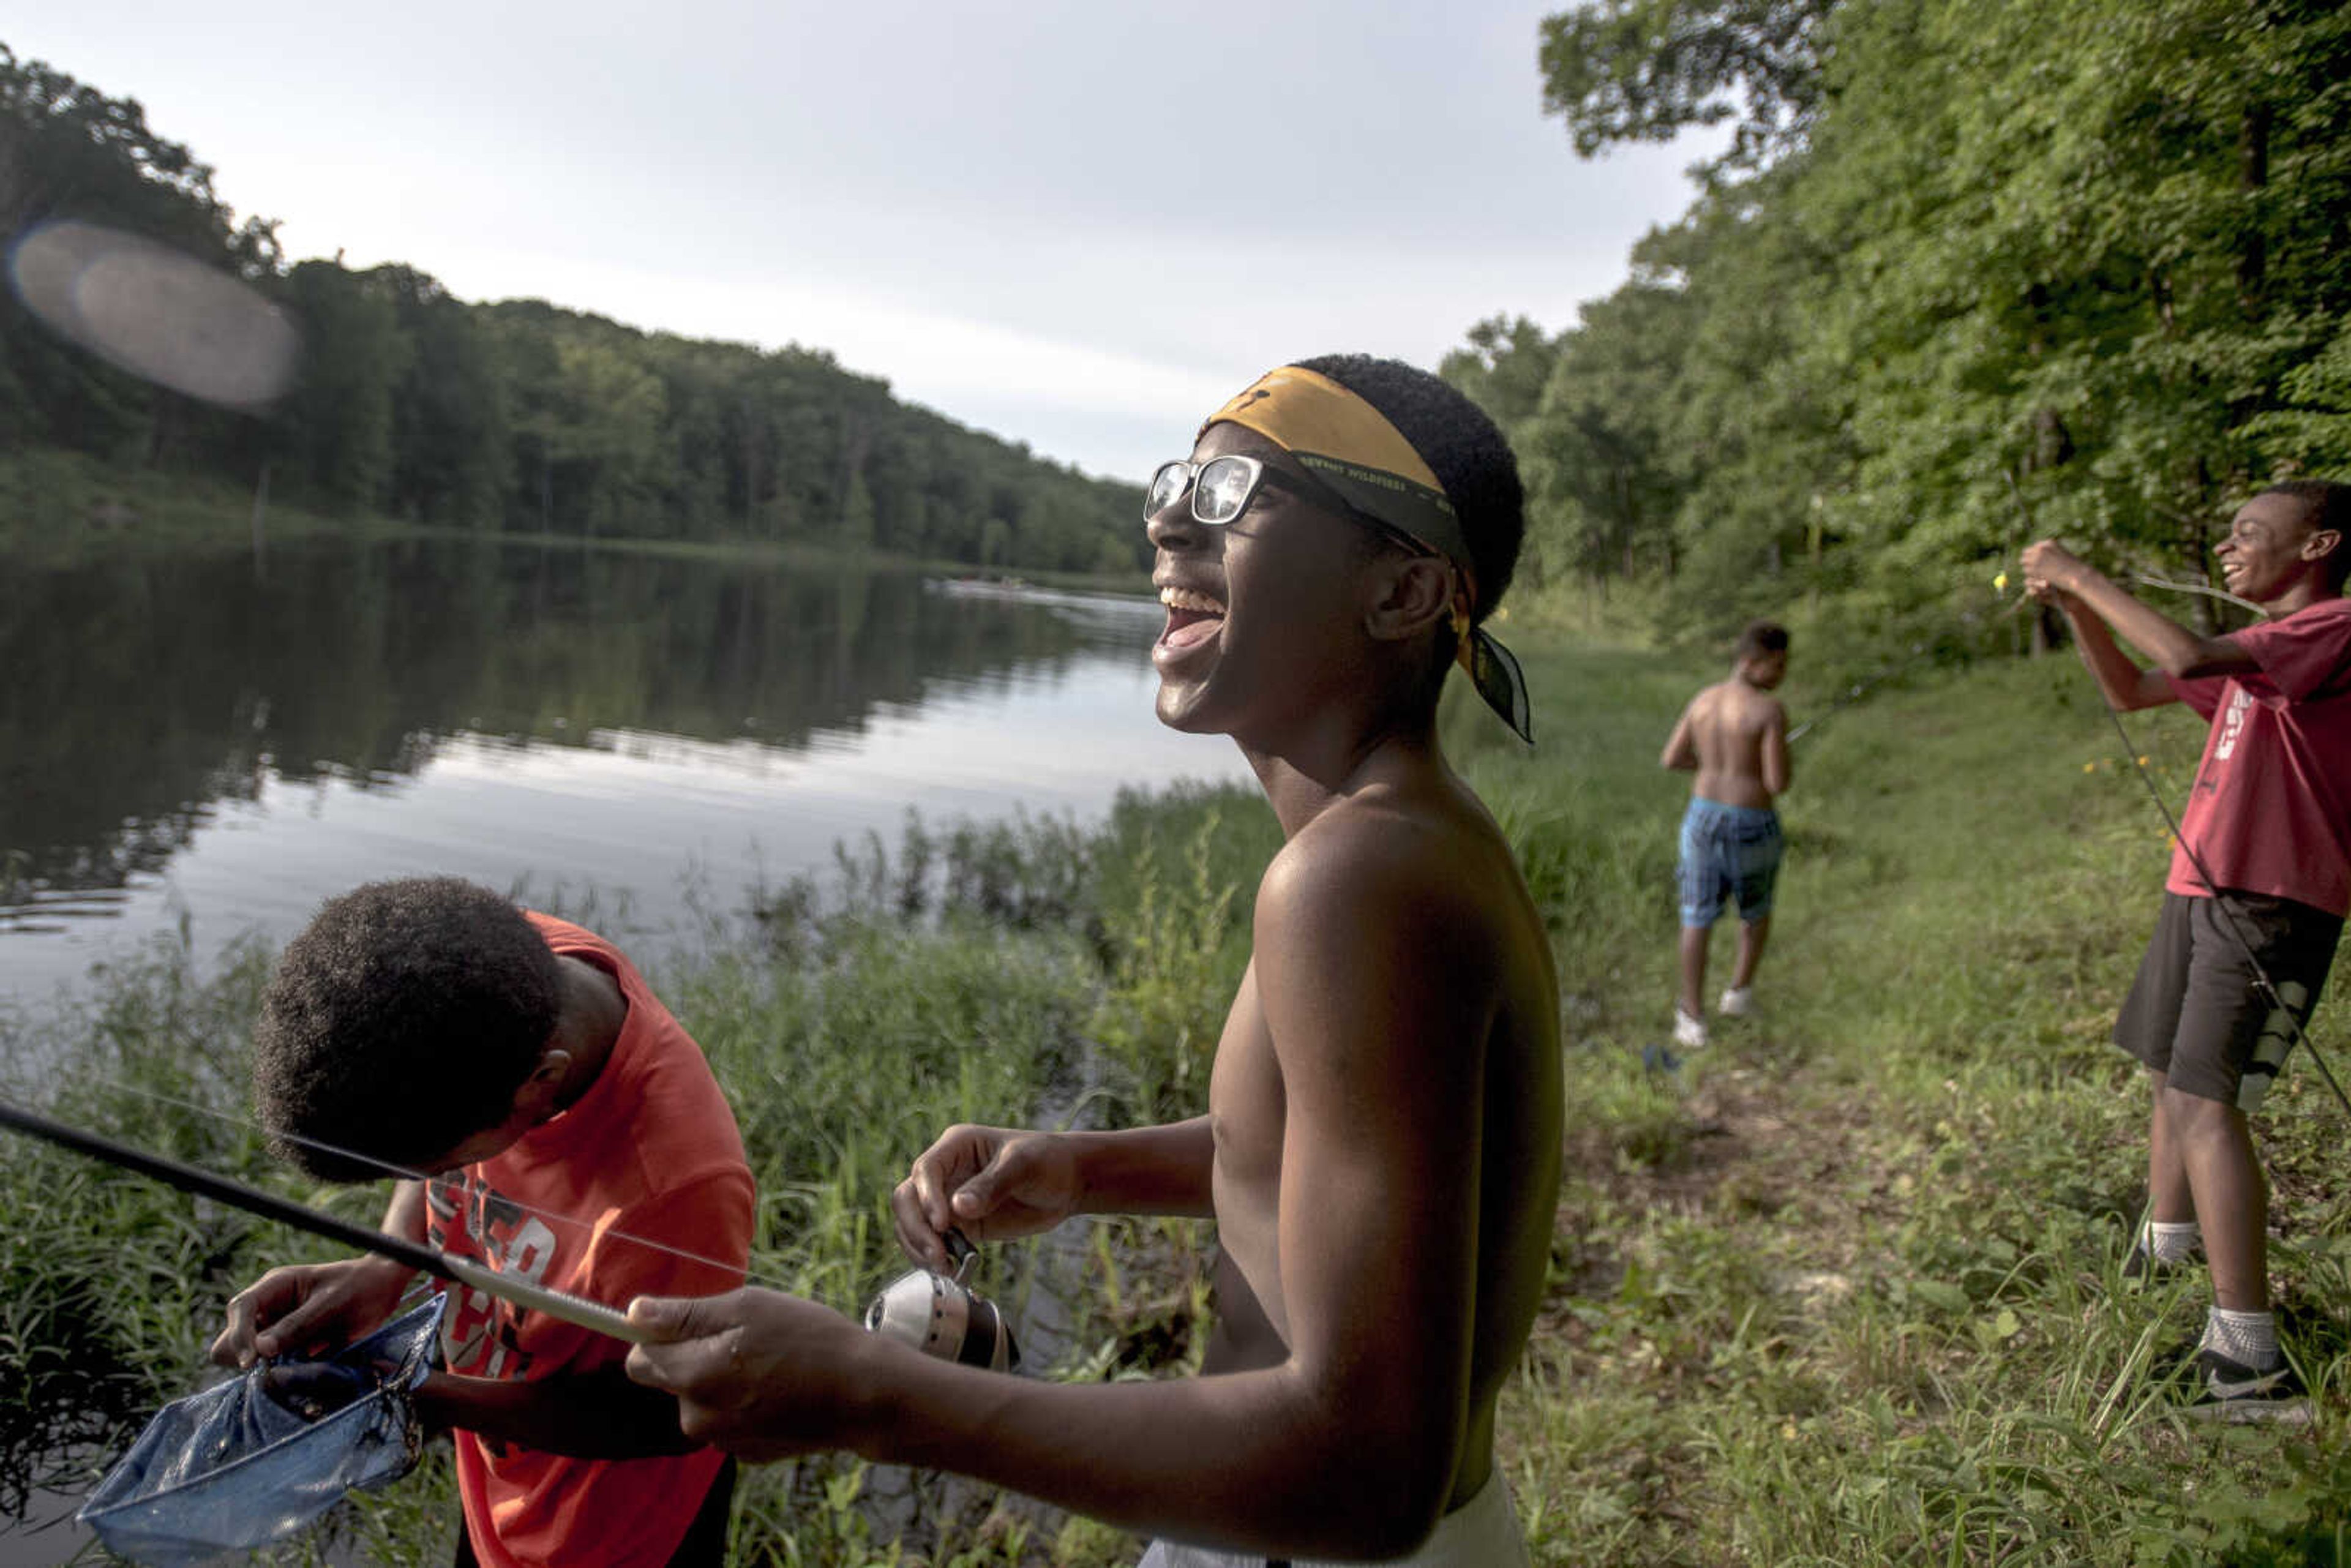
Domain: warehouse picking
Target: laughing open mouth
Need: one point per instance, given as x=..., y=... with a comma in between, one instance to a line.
x=1192, y=616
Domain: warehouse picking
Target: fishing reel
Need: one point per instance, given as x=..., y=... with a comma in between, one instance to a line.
x=940, y=1315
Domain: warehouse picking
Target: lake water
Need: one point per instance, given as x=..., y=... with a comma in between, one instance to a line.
x=633, y=738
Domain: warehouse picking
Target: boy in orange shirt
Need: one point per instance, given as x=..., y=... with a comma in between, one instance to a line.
x=574, y=1137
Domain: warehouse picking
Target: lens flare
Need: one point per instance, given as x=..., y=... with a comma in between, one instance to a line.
x=158, y=313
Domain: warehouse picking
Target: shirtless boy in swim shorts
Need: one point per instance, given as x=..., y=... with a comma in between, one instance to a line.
x=1734, y=736
x=1382, y=1141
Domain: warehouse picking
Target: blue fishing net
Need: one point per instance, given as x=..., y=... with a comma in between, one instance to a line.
x=260, y=1457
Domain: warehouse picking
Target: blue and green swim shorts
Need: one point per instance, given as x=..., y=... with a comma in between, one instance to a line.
x=1728, y=851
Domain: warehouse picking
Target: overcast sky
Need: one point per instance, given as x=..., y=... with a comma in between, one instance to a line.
x=1080, y=223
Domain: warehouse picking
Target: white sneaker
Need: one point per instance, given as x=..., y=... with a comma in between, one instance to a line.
x=1738, y=1001
x=1689, y=1033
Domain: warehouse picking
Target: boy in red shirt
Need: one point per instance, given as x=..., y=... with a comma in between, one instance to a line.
x=575, y=1138
x=2258, y=886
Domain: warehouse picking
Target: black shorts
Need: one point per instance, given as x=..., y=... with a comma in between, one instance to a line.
x=2197, y=1012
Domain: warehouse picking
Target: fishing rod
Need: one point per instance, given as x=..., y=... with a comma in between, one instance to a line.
x=938, y=1314
x=574, y=1310
x=2221, y=901
x=409, y=1173
x=1858, y=690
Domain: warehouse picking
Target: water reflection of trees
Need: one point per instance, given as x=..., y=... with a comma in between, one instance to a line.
x=142, y=693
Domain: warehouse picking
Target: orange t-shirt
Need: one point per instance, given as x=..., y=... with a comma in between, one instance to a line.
x=650, y=1151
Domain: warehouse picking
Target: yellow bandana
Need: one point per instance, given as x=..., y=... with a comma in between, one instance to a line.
x=1351, y=446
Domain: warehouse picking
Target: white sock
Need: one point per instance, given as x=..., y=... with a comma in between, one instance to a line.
x=2249, y=1339
x=2171, y=1242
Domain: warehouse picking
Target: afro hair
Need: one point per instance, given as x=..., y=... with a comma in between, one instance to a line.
x=399, y=1024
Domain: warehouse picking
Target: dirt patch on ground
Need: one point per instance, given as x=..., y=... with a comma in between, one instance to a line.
x=1744, y=1143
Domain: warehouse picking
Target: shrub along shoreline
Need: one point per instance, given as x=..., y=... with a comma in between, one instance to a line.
x=1841, y=1288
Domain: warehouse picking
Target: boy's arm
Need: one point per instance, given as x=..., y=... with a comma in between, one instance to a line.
x=2125, y=687
x=1681, y=752
x=598, y=1415
x=1347, y=1449
x=307, y=1305
x=2177, y=651
x=1775, y=751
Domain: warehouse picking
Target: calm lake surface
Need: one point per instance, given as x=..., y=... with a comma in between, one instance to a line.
x=637, y=740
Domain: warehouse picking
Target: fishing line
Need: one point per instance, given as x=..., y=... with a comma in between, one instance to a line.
x=1855, y=693
x=404, y=1173
x=1860, y=689
x=2170, y=586
x=2221, y=902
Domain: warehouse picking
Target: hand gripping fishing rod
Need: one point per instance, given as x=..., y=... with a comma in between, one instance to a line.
x=938, y=1314
x=574, y=1310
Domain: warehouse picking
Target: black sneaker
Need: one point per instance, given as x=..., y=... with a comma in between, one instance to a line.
x=2232, y=1391
x=2143, y=1270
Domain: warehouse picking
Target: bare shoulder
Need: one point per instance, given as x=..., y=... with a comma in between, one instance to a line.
x=1375, y=838
x=1384, y=875
x=1755, y=708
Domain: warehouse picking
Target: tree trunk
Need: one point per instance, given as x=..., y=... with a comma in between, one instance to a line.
x=260, y=515
x=2252, y=176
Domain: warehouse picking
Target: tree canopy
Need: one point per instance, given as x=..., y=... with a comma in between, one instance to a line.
x=517, y=415
x=1971, y=269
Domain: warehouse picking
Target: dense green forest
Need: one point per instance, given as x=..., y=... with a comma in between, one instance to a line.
x=416, y=406
x=1966, y=272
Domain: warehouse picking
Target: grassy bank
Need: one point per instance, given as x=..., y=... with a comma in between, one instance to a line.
x=1843, y=1288
x=1840, y=1289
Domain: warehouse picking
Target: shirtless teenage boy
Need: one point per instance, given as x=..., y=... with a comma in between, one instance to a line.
x=1734, y=736
x=1381, y=1143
